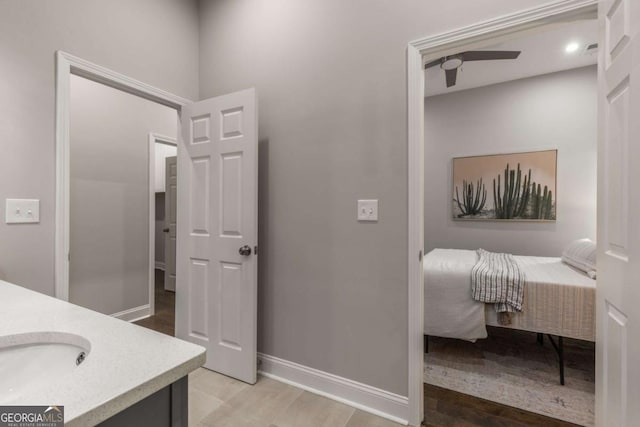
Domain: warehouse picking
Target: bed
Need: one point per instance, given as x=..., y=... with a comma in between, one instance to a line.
x=558, y=299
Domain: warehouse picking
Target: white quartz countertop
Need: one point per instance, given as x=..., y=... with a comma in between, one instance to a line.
x=126, y=362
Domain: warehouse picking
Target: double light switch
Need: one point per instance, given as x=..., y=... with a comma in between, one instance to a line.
x=368, y=210
x=20, y=211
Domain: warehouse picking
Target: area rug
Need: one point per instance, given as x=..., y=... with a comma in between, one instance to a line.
x=511, y=368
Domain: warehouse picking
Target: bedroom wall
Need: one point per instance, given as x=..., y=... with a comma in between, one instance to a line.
x=331, y=83
x=553, y=111
x=109, y=194
x=155, y=41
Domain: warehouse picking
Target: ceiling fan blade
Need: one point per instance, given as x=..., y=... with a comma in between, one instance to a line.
x=488, y=55
x=451, y=76
x=433, y=63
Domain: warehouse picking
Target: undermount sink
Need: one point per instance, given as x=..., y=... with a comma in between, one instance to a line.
x=30, y=361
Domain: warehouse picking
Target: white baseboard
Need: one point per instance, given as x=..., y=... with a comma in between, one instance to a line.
x=364, y=397
x=159, y=265
x=133, y=314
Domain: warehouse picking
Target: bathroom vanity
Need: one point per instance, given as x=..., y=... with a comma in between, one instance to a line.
x=102, y=370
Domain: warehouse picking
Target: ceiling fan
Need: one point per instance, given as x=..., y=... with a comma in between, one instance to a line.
x=450, y=64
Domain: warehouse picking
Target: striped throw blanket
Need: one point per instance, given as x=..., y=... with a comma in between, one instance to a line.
x=497, y=279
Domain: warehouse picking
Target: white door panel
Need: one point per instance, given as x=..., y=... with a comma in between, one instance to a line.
x=170, y=214
x=216, y=299
x=618, y=289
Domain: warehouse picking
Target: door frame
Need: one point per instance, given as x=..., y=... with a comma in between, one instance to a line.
x=66, y=65
x=420, y=52
x=154, y=138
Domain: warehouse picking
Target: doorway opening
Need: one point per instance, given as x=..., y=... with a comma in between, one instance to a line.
x=162, y=233
x=528, y=104
x=112, y=174
x=216, y=214
x=421, y=53
x=68, y=66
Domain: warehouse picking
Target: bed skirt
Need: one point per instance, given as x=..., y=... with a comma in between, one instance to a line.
x=557, y=300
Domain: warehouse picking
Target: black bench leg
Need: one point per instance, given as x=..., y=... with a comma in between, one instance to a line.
x=426, y=343
x=561, y=357
x=559, y=348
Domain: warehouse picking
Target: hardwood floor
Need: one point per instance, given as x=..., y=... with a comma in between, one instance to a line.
x=510, y=360
x=164, y=319
x=216, y=400
x=446, y=408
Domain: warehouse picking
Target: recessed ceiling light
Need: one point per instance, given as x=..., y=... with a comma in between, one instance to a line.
x=571, y=47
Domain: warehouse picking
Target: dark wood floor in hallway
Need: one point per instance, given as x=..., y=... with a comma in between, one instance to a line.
x=164, y=319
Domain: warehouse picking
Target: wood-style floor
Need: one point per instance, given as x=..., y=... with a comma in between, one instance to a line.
x=164, y=319
x=219, y=401
x=446, y=408
x=216, y=400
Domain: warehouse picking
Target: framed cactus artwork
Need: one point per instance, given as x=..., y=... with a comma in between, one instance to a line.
x=506, y=187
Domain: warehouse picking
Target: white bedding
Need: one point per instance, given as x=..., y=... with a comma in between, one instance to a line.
x=549, y=270
x=449, y=310
x=558, y=299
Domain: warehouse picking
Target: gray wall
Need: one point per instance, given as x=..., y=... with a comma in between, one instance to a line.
x=109, y=183
x=331, y=77
x=331, y=82
x=155, y=41
x=553, y=111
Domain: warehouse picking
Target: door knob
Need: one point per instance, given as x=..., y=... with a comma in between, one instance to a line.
x=245, y=250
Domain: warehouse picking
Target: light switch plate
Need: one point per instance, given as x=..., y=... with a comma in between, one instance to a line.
x=21, y=211
x=367, y=210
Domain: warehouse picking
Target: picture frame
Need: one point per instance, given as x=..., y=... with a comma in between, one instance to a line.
x=519, y=186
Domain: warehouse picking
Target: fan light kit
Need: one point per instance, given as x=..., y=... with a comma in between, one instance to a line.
x=451, y=63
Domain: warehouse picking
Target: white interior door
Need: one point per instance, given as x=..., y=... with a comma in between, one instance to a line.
x=216, y=298
x=618, y=289
x=170, y=223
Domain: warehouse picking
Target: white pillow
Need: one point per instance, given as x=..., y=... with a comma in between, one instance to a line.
x=581, y=254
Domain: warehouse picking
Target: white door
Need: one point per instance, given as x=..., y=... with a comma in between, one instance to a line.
x=216, y=298
x=170, y=204
x=618, y=288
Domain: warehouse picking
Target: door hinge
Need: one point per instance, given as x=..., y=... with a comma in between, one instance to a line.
x=419, y=255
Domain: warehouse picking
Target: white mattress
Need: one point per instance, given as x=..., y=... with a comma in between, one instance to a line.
x=558, y=299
